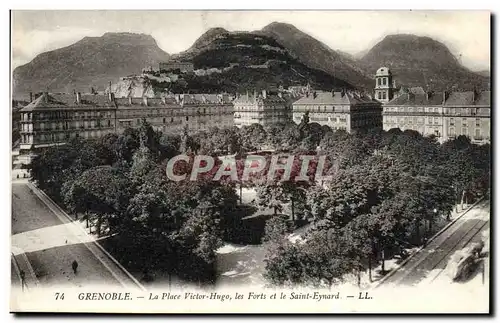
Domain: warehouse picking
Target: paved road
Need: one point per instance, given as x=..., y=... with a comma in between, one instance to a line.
x=51, y=242
x=432, y=260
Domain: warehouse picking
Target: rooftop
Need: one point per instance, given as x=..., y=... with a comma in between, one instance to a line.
x=68, y=101
x=383, y=71
x=419, y=99
x=337, y=98
x=269, y=99
x=467, y=98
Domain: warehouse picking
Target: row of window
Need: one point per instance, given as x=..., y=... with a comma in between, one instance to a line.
x=60, y=137
x=259, y=108
x=452, y=111
x=465, y=131
x=413, y=109
x=430, y=120
x=465, y=122
x=382, y=95
x=382, y=81
x=410, y=120
x=304, y=108
x=58, y=115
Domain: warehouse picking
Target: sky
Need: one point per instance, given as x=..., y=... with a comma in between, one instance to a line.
x=466, y=33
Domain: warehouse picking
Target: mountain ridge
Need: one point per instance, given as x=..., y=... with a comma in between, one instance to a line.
x=89, y=62
x=421, y=61
x=95, y=61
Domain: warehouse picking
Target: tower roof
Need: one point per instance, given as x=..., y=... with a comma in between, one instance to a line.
x=383, y=71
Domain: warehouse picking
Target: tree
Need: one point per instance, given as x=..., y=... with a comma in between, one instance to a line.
x=252, y=137
x=102, y=192
x=271, y=195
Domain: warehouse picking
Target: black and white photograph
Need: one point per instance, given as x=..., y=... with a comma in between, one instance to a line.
x=250, y=161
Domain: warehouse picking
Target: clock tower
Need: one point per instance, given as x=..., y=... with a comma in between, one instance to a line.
x=384, y=90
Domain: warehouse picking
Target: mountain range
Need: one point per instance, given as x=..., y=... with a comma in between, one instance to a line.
x=278, y=54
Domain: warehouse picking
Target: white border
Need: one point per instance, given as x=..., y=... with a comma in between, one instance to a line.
x=146, y=4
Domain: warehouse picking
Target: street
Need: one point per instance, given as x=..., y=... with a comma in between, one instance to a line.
x=51, y=243
x=430, y=262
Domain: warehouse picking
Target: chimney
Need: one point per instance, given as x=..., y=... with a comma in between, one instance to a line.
x=333, y=93
x=475, y=94
x=264, y=94
x=78, y=97
x=31, y=96
x=111, y=96
x=342, y=93
x=130, y=100
x=145, y=100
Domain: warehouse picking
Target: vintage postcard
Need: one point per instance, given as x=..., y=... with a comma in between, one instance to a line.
x=250, y=161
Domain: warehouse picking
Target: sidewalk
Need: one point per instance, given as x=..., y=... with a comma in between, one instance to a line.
x=20, y=263
x=79, y=231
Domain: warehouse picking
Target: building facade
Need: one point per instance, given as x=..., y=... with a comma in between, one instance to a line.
x=445, y=115
x=468, y=114
x=343, y=110
x=263, y=108
x=171, y=114
x=184, y=67
x=53, y=119
x=420, y=112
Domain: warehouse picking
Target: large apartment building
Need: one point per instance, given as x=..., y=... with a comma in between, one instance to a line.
x=197, y=112
x=442, y=114
x=262, y=108
x=341, y=110
x=53, y=119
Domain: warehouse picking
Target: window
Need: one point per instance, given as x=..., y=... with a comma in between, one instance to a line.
x=109, y=123
x=436, y=120
x=379, y=95
x=478, y=122
x=452, y=121
x=164, y=120
x=478, y=133
x=464, y=122
x=451, y=131
x=187, y=118
x=384, y=96
x=464, y=131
